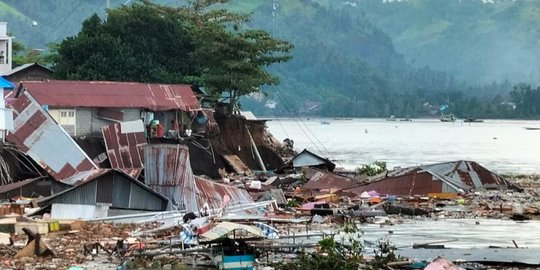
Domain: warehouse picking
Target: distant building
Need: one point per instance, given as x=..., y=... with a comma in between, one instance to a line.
x=82, y=108
x=29, y=72
x=5, y=49
x=307, y=158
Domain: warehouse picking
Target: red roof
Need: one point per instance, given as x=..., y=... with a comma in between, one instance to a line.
x=101, y=94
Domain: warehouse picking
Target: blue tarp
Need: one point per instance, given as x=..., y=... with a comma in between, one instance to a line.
x=6, y=84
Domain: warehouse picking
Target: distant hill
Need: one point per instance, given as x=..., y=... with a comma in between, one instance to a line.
x=361, y=57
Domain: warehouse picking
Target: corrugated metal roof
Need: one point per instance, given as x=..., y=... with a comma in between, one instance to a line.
x=83, y=177
x=208, y=191
x=441, y=177
x=25, y=66
x=100, y=94
x=168, y=171
x=123, y=191
x=125, y=150
x=326, y=180
x=39, y=136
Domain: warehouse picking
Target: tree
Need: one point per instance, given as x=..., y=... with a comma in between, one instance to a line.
x=233, y=60
x=196, y=44
x=141, y=42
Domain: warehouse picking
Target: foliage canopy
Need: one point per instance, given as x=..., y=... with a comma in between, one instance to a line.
x=198, y=44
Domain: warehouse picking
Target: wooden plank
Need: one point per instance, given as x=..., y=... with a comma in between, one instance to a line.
x=237, y=164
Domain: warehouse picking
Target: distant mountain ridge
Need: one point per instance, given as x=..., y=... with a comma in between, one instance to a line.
x=368, y=58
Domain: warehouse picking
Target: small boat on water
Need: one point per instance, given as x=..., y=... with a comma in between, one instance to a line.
x=472, y=120
x=392, y=118
x=448, y=118
x=532, y=128
x=407, y=119
x=325, y=122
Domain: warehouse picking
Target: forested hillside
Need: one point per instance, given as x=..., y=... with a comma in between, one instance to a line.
x=368, y=58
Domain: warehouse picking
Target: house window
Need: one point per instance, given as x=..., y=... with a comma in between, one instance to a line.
x=67, y=117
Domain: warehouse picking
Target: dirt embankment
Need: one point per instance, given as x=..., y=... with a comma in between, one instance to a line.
x=234, y=139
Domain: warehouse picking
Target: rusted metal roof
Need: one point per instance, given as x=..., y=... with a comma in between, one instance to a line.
x=326, y=180
x=208, y=191
x=125, y=150
x=37, y=135
x=100, y=94
x=435, y=178
x=168, y=171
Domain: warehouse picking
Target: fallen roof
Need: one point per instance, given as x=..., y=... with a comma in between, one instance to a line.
x=214, y=194
x=125, y=144
x=168, y=171
x=326, y=180
x=102, y=94
x=452, y=176
x=39, y=136
x=225, y=227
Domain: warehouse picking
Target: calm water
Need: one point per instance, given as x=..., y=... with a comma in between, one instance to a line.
x=504, y=146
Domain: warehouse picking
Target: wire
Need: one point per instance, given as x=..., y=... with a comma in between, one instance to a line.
x=298, y=119
x=66, y=16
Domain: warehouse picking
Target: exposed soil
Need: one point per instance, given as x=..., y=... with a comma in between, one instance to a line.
x=234, y=140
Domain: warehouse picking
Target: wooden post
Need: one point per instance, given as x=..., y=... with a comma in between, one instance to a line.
x=36, y=244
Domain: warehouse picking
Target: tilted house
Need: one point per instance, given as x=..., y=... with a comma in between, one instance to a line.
x=307, y=158
x=83, y=107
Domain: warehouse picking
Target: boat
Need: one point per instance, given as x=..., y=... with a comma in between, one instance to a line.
x=392, y=118
x=406, y=119
x=325, y=122
x=472, y=120
x=448, y=118
x=532, y=128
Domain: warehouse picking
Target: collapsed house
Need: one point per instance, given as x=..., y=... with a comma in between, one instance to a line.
x=448, y=177
x=114, y=191
x=143, y=126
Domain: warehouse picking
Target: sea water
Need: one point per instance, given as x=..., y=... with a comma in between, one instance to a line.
x=504, y=146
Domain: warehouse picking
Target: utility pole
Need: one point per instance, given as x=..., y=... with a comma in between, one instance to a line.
x=107, y=4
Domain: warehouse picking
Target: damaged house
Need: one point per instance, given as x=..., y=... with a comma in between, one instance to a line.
x=448, y=177
x=82, y=108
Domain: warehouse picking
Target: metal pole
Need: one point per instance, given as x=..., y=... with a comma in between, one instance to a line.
x=259, y=159
x=107, y=4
